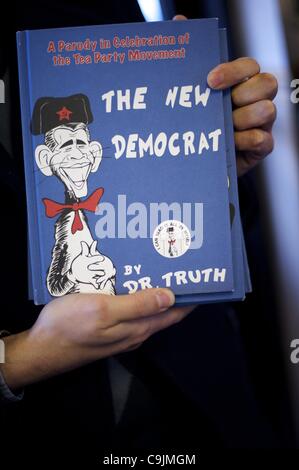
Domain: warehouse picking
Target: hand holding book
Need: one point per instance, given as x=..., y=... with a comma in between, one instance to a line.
x=81, y=328
x=254, y=112
x=91, y=326
x=150, y=130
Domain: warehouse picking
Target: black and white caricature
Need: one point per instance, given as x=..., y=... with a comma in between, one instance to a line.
x=172, y=249
x=69, y=154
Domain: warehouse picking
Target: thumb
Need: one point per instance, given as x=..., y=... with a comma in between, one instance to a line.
x=93, y=248
x=179, y=18
x=84, y=249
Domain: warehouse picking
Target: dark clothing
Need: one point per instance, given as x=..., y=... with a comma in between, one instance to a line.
x=192, y=386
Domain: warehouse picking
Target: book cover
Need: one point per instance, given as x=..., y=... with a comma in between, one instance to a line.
x=125, y=159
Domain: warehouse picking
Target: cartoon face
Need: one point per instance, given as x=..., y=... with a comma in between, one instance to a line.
x=71, y=159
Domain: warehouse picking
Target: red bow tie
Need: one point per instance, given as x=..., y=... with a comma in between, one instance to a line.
x=90, y=204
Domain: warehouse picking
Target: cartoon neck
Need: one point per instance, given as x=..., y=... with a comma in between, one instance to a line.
x=70, y=197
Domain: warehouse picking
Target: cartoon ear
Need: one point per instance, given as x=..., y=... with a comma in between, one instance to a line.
x=96, y=149
x=42, y=157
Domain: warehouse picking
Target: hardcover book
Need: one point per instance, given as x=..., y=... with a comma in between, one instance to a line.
x=129, y=162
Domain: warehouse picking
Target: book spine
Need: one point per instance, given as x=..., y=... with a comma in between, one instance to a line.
x=28, y=150
x=228, y=113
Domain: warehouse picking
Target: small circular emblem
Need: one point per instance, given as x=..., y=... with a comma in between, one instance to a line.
x=171, y=238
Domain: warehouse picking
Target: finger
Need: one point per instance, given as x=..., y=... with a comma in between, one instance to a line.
x=98, y=267
x=98, y=276
x=93, y=248
x=94, y=283
x=262, y=113
x=102, y=281
x=96, y=263
x=138, y=330
x=142, y=304
x=262, y=86
x=246, y=162
x=132, y=348
x=256, y=141
x=84, y=249
x=164, y=320
x=175, y=315
x=231, y=73
x=97, y=258
x=179, y=17
x=120, y=308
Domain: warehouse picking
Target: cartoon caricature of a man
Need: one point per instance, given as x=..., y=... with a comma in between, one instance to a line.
x=70, y=155
x=172, y=249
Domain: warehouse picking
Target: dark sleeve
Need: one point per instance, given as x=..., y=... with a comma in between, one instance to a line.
x=6, y=395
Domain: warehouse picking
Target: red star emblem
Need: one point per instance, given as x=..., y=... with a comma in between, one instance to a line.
x=64, y=113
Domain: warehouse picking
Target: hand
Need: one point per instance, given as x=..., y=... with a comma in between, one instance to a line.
x=80, y=328
x=254, y=111
x=99, y=270
x=108, y=270
x=86, y=267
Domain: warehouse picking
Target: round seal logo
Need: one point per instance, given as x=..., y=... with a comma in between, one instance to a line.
x=171, y=238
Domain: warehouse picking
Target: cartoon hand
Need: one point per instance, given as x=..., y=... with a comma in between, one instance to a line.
x=87, y=266
x=108, y=269
x=105, y=269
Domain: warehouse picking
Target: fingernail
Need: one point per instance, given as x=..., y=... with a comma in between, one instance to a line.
x=179, y=17
x=215, y=79
x=165, y=299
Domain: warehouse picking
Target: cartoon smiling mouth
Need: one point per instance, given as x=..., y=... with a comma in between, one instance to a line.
x=77, y=174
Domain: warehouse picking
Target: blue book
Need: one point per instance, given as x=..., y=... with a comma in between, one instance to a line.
x=126, y=161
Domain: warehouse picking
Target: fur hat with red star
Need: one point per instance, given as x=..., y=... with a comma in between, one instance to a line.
x=50, y=112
